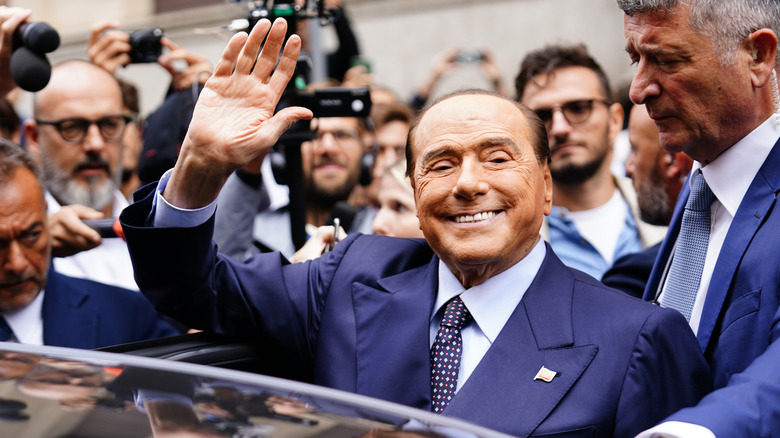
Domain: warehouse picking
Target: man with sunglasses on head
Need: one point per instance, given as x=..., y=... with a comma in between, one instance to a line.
x=76, y=137
x=595, y=218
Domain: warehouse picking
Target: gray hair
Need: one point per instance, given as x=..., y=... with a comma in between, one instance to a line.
x=726, y=22
x=12, y=157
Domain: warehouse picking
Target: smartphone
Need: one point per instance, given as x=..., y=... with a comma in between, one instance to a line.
x=469, y=56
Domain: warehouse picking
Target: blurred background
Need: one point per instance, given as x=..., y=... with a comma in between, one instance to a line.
x=398, y=38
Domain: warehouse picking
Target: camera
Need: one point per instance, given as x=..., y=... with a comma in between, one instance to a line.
x=145, y=45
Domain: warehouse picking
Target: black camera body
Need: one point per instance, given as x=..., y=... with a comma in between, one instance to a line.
x=145, y=45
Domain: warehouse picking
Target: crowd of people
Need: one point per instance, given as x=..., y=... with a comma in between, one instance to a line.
x=473, y=254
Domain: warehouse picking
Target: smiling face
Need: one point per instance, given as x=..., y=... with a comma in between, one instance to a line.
x=331, y=162
x=700, y=106
x=480, y=191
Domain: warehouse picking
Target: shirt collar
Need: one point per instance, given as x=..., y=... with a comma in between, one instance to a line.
x=491, y=303
x=728, y=182
x=27, y=321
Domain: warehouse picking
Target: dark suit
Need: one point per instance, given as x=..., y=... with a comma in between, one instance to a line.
x=357, y=319
x=81, y=313
x=739, y=326
x=630, y=272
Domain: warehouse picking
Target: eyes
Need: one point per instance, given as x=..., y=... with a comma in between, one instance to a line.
x=496, y=160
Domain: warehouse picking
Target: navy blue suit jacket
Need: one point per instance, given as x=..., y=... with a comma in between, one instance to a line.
x=81, y=313
x=357, y=319
x=739, y=326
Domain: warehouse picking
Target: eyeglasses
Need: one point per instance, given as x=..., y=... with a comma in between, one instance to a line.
x=74, y=129
x=343, y=135
x=575, y=112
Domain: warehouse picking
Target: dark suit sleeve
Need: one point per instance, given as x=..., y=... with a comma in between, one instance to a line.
x=666, y=373
x=749, y=405
x=276, y=304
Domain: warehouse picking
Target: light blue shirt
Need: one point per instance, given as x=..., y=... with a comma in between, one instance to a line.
x=576, y=252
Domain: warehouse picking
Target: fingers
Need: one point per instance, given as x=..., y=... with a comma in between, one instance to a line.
x=69, y=233
x=282, y=120
x=98, y=29
x=271, y=48
x=110, y=50
x=287, y=63
x=248, y=56
x=227, y=61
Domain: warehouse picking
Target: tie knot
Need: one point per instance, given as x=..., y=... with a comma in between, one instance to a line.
x=456, y=314
x=701, y=196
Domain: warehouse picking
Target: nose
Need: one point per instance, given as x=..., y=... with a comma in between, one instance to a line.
x=644, y=84
x=93, y=140
x=14, y=261
x=559, y=126
x=381, y=223
x=472, y=181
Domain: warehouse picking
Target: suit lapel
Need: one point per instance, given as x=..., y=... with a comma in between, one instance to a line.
x=538, y=334
x=752, y=212
x=392, y=346
x=65, y=322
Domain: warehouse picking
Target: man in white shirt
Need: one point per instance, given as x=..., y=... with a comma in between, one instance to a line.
x=542, y=349
x=706, y=72
x=76, y=137
x=595, y=218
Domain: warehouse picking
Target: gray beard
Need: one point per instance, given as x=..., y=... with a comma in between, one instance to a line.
x=654, y=201
x=97, y=195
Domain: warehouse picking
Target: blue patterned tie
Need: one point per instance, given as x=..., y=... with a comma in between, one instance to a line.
x=446, y=353
x=691, y=249
x=5, y=330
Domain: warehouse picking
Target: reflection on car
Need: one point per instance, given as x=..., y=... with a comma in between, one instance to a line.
x=58, y=392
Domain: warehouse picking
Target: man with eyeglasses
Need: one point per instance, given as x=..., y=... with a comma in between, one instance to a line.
x=595, y=218
x=76, y=137
x=254, y=214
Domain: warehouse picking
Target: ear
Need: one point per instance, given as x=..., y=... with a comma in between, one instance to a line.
x=31, y=138
x=678, y=165
x=548, y=189
x=616, y=116
x=762, y=45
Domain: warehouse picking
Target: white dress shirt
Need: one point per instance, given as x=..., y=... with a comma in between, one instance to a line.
x=729, y=176
x=490, y=303
x=27, y=322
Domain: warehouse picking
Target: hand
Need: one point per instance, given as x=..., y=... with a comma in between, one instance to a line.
x=69, y=234
x=490, y=69
x=10, y=19
x=233, y=121
x=108, y=47
x=198, y=66
x=317, y=244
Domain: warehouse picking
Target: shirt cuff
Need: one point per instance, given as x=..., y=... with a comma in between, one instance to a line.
x=167, y=215
x=677, y=429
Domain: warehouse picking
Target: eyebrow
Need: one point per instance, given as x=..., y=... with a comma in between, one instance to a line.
x=486, y=144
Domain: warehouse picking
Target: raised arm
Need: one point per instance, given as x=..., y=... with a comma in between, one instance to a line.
x=234, y=122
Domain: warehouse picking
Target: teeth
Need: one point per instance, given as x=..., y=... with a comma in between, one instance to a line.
x=485, y=215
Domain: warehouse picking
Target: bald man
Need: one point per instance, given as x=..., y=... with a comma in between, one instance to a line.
x=76, y=137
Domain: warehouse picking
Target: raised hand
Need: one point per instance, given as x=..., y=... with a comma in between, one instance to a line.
x=108, y=47
x=198, y=66
x=10, y=19
x=234, y=122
